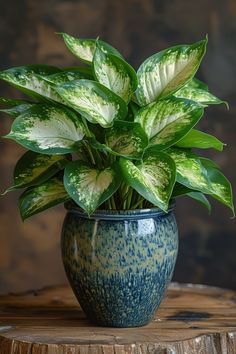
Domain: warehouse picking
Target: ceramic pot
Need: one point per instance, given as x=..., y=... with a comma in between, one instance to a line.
x=119, y=263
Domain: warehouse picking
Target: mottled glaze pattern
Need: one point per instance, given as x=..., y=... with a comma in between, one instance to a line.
x=119, y=263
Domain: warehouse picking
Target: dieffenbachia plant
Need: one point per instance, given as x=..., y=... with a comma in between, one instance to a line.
x=104, y=135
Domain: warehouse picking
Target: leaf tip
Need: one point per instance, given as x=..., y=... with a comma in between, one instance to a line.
x=226, y=104
x=23, y=215
x=63, y=34
x=7, y=136
x=6, y=191
x=233, y=211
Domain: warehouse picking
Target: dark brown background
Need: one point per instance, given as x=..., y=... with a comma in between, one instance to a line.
x=30, y=253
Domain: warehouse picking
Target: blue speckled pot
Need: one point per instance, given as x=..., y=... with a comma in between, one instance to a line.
x=119, y=263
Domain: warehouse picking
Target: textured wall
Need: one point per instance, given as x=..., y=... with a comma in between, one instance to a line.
x=29, y=253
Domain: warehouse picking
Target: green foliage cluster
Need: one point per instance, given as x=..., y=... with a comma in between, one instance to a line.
x=104, y=135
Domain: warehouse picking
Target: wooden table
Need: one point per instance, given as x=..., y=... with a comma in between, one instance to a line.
x=191, y=319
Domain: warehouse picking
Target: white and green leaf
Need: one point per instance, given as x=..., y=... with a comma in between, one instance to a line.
x=29, y=79
x=67, y=75
x=88, y=186
x=126, y=139
x=201, y=175
x=17, y=110
x=84, y=48
x=167, y=71
x=48, y=129
x=198, y=95
x=115, y=73
x=33, y=169
x=154, y=178
x=41, y=197
x=167, y=121
x=198, y=139
x=93, y=101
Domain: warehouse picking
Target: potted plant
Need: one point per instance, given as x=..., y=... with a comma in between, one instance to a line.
x=116, y=147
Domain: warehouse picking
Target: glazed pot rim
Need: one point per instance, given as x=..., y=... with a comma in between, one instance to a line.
x=119, y=214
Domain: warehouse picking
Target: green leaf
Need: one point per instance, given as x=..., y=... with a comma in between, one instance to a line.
x=154, y=178
x=208, y=163
x=197, y=84
x=167, y=71
x=115, y=73
x=48, y=129
x=180, y=190
x=11, y=102
x=28, y=79
x=94, y=101
x=90, y=187
x=84, y=48
x=198, y=139
x=33, y=169
x=167, y=121
x=127, y=139
x=201, y=198
x=198, y=95
x=18, y=110
x=39, y=198
x=221, y=187
x=201, y=175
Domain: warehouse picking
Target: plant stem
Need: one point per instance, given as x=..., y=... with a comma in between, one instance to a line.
x=87, y=131
x=109, y=204
x=113, y=202
x=139, y=203
x=87, y=147
x=129, y=198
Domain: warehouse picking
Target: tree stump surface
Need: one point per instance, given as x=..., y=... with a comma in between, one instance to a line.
x=191, y=319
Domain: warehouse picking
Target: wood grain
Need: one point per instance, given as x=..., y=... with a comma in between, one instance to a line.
x=191, y=319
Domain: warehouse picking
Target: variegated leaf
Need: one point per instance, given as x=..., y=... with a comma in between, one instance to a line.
x=154, y=178
x=90, y=187
x=84, y=70
x=48, y=129
x=39, y=198
x=29, y=80
x=67, y=75
x=167, y=121
x=94, y=101
x=33, y=169
x=198, y=91
x=201, y=140
x=84, y=48
x=198, y=95
x=200, y=175
x=17, y=110
x=180, y=190
x=167, y=71
x=127, y=139
x=115, y=73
